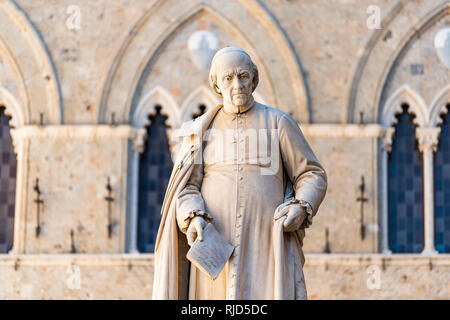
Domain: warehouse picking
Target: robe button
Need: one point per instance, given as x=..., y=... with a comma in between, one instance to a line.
x=240, y=168
x=240, y=178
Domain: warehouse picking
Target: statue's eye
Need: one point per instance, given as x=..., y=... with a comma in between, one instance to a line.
x=228, y=78
x=243, y=76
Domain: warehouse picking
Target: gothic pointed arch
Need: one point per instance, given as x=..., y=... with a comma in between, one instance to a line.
x=158, y=96
x=155, y=166
x=11, y=108
x=438, y=106
x=8, y=177
x=442, y=175
x=155, y=118
x=405, y=187
x=30, y=75
x=402, y=113
x=200, y=96
x=393, y=106
x=383, y=49
x=121, y=87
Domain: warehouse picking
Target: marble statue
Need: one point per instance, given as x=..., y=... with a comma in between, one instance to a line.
x=246, y=168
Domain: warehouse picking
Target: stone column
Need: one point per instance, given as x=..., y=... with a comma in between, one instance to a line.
x=21, y=149
x=428, y=141
x=386, y=144
x=138, y=143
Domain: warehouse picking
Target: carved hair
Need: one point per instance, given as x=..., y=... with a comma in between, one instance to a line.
x=213, y=74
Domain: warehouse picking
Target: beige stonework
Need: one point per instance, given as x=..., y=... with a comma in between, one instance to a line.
x=103, y=276
x=76, y=276
x=369, y=276
x=326, y=66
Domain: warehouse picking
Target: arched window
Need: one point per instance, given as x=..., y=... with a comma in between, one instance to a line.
x=8, y=168
x=442, y=188
x=405, y=188
x=155, y=166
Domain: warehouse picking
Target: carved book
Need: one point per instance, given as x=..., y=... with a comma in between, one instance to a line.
x=211, y=254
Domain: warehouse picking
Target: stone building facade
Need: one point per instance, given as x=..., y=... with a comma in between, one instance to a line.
x=91, y=91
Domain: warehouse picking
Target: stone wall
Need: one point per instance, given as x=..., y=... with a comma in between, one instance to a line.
x=347, y=153
x=346, y=276
x=77, y=276
x=130, y=276
x=73, y=165
x=318, y=61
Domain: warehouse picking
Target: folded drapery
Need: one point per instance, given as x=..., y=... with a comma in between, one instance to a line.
x=289, y=281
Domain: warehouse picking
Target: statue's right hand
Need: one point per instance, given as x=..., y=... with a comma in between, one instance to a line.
x=195, y=229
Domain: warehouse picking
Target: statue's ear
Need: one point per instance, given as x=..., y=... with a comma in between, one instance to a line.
x=213, y=84
x=217, y=90
x=255, y=77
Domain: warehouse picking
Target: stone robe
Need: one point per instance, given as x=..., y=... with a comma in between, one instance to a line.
x=233, y=188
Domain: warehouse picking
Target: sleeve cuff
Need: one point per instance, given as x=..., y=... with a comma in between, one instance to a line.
x=191, y=215
x=309, y=211
x=202, y=213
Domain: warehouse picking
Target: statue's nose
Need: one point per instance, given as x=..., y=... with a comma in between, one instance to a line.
x=238, y=83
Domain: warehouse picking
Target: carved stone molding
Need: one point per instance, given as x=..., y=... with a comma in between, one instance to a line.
x=12, y=108
x=202, y=95
x=428, y=138
x=378, y=59
x=88, y=132
x=155, y=28
x=138, y=135
x=138, y=138
x=156, y=96
x=386, y=139
x=341, y=130
x=393, y=106
x=35, y=81
x=438, y=106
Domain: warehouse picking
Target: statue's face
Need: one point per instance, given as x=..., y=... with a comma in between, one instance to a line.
x=234, y=78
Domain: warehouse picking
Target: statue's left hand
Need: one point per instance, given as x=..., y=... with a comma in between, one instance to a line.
x=195, y=229
x=295, y=216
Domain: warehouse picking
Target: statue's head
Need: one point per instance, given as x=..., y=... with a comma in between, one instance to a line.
x=233, y=75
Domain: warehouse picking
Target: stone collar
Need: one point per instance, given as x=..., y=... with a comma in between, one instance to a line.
x=235, y=110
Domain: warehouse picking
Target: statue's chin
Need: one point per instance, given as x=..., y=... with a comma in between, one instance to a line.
x=238, y=102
